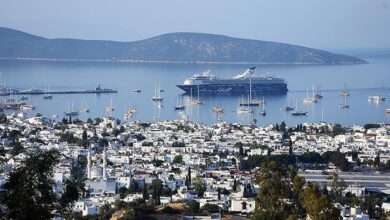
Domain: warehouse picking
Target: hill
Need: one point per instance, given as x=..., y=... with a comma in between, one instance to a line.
x=170, y=48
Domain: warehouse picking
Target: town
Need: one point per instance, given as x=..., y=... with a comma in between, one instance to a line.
x=145, y=170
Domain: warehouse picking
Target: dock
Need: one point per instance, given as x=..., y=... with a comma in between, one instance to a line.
x=97, y=90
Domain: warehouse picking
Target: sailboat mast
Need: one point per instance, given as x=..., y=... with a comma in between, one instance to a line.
x=250, y=89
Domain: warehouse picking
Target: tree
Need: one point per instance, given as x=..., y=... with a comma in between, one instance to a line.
x=338, y=185
x=157, y=188
x=372, y=205
x=318, y=207
x=145, y=194
x=84, y=139
x=3, y=119
x=272, y=201
x=178, y=159
x=199, y=187
x=29, y=192
x=189, y=177
x=193, y=207
x=210, y=208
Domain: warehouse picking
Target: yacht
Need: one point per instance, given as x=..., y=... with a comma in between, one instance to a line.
x=250, y=102
x=297, y=112
x=263, y=112
x=71, y=112
x=318, y=95
x=157, y=94
x=27, y=107
x=343, y=103
x=376, y=98
x=388, y=110
x=47, y=95
x=179, y=106
x=137, y=91
x=345, y=91
x=242, y=110
x=195, y=101
x=308, y=99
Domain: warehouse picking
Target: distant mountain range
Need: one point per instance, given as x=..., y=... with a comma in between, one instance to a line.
x=166, y=48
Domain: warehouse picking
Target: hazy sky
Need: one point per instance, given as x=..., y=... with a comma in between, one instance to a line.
x=314, y=23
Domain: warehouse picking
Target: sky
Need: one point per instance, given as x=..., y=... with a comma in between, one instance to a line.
x=326, y=24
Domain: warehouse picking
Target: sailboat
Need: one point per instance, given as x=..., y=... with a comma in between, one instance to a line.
x=345, y=91
x=71, y=112
x=308, y=99
x=318, y=95
x=195, y=101
x=263, y=112
x=84, y=108
x=47, y=95
x=297, y=112
x=289, y=107
x=218, y=109
x=157, y=94
x=250, y=102
x=178, y=106
x=343, y=102
x=242, y=110
x=110, y=108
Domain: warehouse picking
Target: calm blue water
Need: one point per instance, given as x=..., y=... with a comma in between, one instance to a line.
x=362, y=80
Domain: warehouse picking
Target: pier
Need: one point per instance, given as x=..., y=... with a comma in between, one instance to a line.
x=97, y=90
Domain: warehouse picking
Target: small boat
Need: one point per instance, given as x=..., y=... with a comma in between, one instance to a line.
x=110, y=108
x=84, y=108
x=388, y=110
x=299, y=113
x=157, y=96
x=55, y=116
x=218, y=110
x=23, y=98
x=137, y=91
x=244, y=110
x=288, y=108
x=27, y=107
x=71, y=113
x=258, y=101
x=376, y=98
x=47, y=96
x=133, y=110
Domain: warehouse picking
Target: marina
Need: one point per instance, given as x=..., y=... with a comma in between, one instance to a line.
x=177, y=103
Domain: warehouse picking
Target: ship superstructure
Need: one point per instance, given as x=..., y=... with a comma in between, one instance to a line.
x=240, y=84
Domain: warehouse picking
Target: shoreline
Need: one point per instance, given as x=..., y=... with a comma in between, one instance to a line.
x=129, y=61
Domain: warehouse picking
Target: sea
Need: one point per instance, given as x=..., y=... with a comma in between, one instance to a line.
x=361, y=80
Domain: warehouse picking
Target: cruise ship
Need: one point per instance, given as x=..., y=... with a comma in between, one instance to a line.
x=241, y=84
